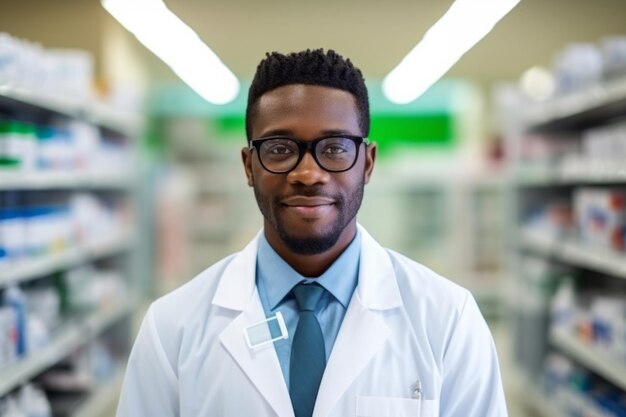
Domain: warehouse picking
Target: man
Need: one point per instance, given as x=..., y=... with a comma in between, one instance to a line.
x=368, y=331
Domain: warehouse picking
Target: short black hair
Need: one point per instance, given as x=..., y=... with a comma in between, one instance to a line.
x=313, y=67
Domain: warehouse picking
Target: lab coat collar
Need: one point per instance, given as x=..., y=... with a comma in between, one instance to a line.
x=377, y=287
x=237, y=285
x=362, y=334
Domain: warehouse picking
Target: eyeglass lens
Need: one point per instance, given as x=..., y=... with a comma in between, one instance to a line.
x=333, y=154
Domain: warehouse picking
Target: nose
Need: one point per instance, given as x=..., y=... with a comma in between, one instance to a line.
x=308, y=172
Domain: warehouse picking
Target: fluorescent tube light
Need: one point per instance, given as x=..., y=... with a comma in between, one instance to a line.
x=176, y=44
x=463, y=25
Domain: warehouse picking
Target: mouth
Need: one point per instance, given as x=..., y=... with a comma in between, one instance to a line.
x=304, y=201
x=308, y=206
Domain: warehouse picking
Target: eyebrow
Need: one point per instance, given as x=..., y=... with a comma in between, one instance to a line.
x=289, y=133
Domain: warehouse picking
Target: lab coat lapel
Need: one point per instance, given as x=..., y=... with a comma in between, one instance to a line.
x=362, y=334
x=237, y=291
x=261, y=365
x=363, y=331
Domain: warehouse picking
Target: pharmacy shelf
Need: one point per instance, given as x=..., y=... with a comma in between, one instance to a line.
x=94, y=112
x=573, y=173
x=31, y=105
x=69, y=338
x=103, y=396
x=564, y=118
x=613, y=263
x=581, y=108
x=539, y=242
x=48, y=264
x=595, y=358
x=64, y=180
x=104, y=115
x=580, y=170
x=575, y=253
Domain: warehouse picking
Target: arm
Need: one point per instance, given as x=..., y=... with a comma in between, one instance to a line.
x=471, y=376
x=150, y=385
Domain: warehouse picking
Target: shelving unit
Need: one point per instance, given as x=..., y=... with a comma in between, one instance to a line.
x=86, y=109
x=582, y=108
x=118, y=248
x=536, y=184
x=67, y=339
x=572, y=173
x=575, y=253
x=64, y=180
x=44, y=265
x=595, y=358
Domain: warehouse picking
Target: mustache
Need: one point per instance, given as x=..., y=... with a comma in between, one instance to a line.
x=309, y=191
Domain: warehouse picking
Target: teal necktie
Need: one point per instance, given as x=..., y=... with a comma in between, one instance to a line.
x=308, y=355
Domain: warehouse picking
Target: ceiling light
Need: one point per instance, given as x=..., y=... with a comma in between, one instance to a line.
x=463, y=25
x=176, y=44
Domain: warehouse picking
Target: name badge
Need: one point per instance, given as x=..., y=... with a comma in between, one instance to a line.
x=266, y=331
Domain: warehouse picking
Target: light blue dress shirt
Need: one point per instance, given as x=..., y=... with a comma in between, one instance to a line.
x=275, y=279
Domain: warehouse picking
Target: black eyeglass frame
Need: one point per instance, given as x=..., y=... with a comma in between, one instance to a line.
x=309, y=146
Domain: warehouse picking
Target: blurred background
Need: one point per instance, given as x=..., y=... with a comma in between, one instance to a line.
x=120, y=179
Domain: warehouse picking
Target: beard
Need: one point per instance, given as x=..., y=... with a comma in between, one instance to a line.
x=322, y=239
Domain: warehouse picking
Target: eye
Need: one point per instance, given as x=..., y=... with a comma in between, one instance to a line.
x=334, y=149
x=280, y=150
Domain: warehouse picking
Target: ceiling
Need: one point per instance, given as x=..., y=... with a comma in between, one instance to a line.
x=375, y=35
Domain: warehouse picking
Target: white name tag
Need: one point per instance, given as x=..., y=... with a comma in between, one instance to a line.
x=266, y=331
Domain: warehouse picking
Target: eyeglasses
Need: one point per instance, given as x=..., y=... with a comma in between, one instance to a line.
x=280, y=155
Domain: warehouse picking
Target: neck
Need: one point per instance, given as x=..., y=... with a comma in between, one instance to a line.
x=311, y=266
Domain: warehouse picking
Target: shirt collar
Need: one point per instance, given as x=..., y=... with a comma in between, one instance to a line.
x=278, y=277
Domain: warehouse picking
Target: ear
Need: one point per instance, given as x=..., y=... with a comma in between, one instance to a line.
x=246, y=157
x=370, y=159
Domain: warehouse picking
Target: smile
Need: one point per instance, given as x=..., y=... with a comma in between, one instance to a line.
x=308, y=206
x=302, y=201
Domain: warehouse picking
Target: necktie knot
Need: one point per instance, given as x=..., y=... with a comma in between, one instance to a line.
x=307, y=296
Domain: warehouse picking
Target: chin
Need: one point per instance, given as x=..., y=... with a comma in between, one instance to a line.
x=310, y=245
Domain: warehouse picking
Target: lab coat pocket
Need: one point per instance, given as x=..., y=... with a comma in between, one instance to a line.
x=395, y=407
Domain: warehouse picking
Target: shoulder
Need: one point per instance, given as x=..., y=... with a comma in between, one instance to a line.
x=430, y=299
x=417, y=281
x=184, y=303
x=174, y=320
x=433, y=304
x=228, y=284
x=414, y=279
x=421, y=290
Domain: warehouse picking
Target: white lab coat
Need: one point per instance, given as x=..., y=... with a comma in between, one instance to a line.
x=403, y=324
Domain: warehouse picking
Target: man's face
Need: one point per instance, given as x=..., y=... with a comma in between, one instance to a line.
x=308, y=209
